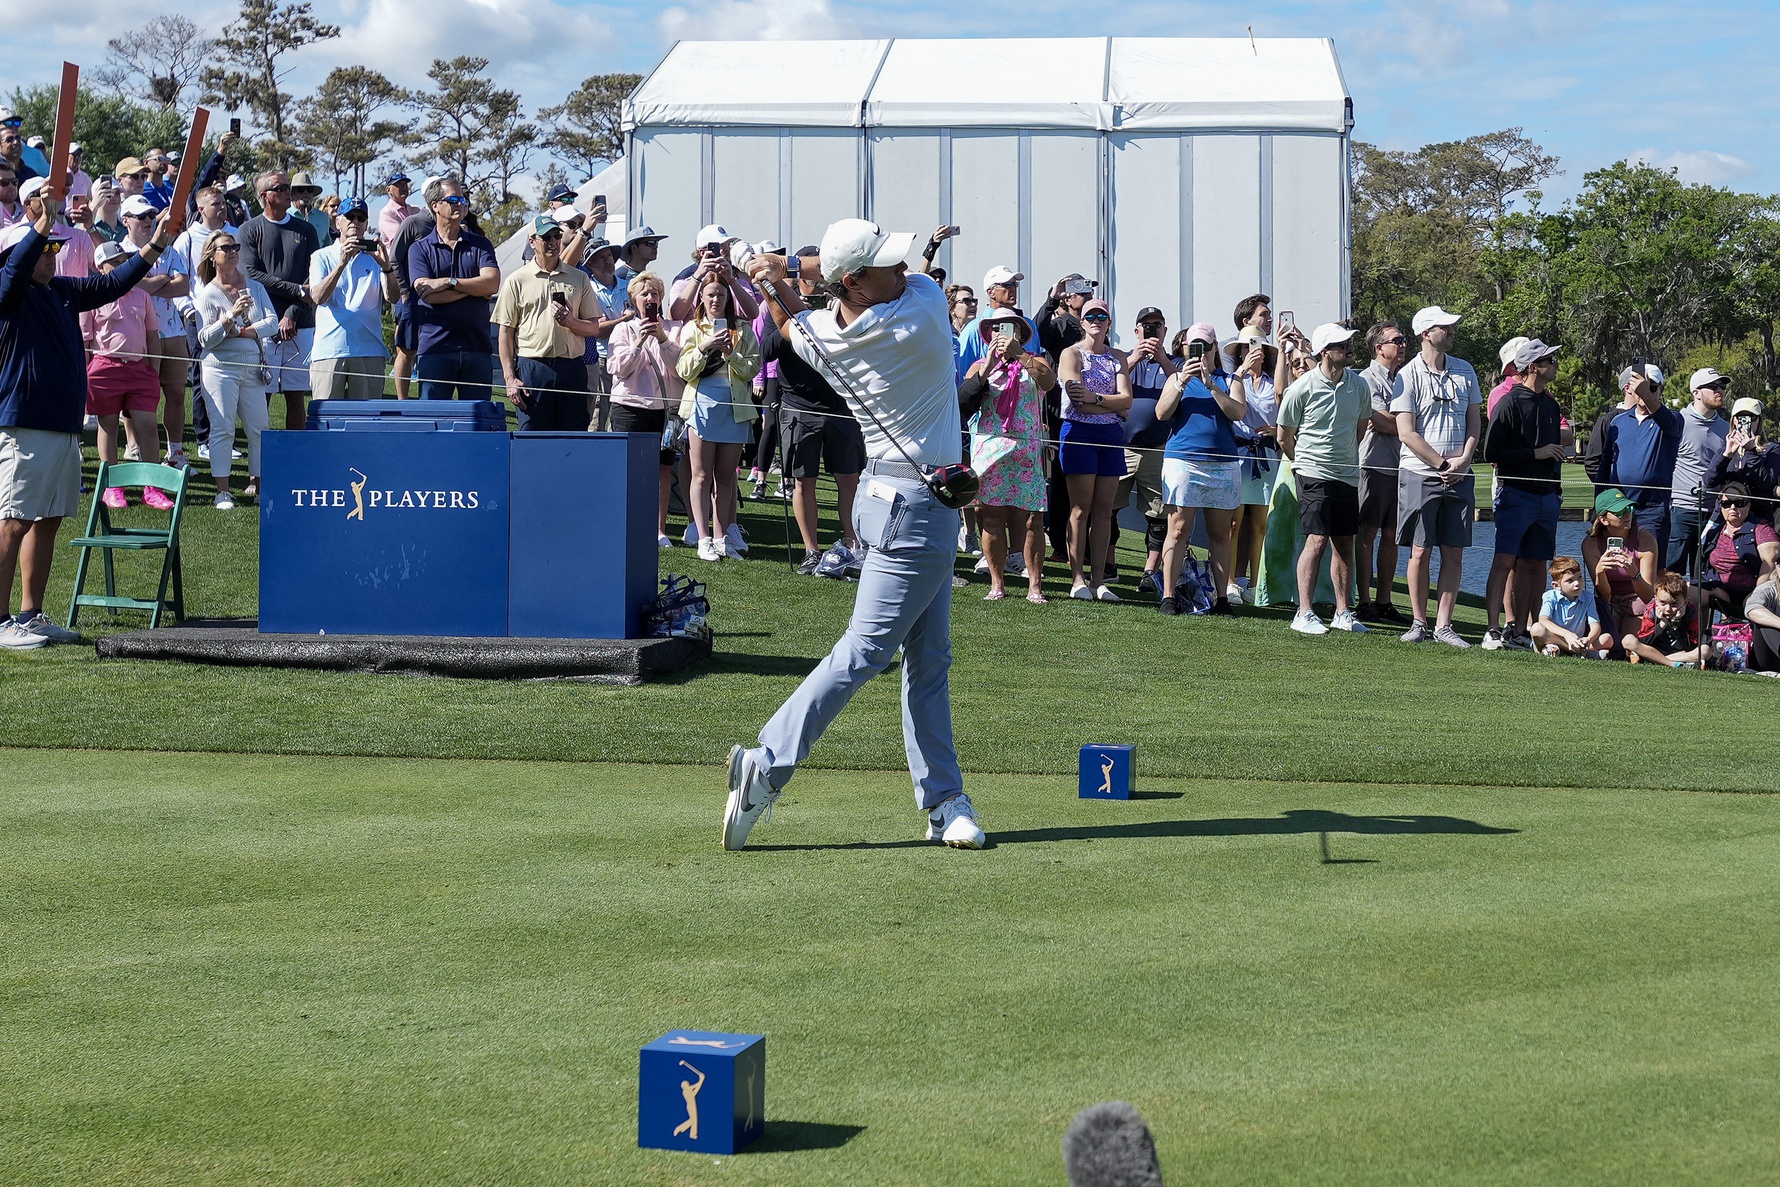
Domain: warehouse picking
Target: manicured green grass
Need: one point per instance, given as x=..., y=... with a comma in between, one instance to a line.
x=250, y=969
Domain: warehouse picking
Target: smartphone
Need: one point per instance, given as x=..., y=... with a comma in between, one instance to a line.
x=235, y=126
x=1615, y=542
x=599, y=199
x=651, y=310
x=719, y=325
x=953, y=231
x=1197, y=349
x=367, y=245
x=1079, y=287
x=560, y=299
x=1287, y=320
x=1151, y=331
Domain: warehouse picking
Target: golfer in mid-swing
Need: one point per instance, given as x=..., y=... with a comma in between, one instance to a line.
x=888, y=338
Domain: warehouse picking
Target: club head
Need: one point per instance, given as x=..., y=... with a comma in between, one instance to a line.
x=955, y=485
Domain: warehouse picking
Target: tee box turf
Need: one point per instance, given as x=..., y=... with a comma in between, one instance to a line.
x=701, y=1090
x=1106, y=772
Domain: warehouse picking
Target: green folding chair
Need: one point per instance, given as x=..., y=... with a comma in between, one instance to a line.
x=101, y=535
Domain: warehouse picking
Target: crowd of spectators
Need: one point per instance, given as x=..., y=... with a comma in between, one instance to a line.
x=276, y=287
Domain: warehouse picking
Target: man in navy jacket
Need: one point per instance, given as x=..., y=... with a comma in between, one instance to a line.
x=43, y=396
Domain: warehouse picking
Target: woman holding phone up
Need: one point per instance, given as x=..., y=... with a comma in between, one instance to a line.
x=1200, y=467
x=1007, y=448
x=719, y=355
x=1096, y=383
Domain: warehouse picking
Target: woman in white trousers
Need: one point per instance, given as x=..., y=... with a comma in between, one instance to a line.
x=234, y=317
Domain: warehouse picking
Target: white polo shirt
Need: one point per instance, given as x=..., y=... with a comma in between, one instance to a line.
x=1440, y=401
x=900, y=356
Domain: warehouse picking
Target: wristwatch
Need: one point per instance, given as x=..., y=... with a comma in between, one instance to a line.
x=454, y=282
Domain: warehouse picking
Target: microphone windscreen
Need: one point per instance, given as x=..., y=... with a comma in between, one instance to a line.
x=1108, y=1145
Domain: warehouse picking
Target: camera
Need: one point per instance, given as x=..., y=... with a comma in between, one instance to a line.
x=367, y=245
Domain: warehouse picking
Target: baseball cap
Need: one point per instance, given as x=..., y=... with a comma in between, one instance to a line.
x=354, y=207
x=129, y=167
x=235, y=184
x=1432, y=316
x=75, y=147
x=1530, y=352
x=137, y=204
x=1200, y=331
x=1612, y=501
x=38, y=143
x=1148, y=313
x=1506, y=354
x=546, y=224
x=714, y=235
x=853, y=243
x=560, y=193
x=1748, y=404
x=109, y=251
x=1651, y=371
x=1002, y=274
x=1095, y=305
x=641, y=235
x=1330, y=333
x=396, y=178
x=1704, y=377
x=7, y=116
x=29, y=188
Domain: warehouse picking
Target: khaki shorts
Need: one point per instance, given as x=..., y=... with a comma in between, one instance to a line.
x=175, y=366
x=1143, y=474
x=39, y=474
x=347, y=379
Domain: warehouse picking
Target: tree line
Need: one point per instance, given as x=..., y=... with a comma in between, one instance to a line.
x=1639, y=265
x=354, y=128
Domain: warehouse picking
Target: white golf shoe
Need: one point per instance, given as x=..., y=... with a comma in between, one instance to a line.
x=751, y=796
x=955, y=823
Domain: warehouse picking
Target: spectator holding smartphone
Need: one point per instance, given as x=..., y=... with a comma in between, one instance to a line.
x=1146, y=437
x=1200, y=471
x=1262, y=367
x=719, y=356
x=1007, y=449
x=350, y=279
x=1749, y=459
x=644, y=354
x=546, y=312
x=1740, y=552
x=1620, y=557
x=710, y=259
x=1096, y=383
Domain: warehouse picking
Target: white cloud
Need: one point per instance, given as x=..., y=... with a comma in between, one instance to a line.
x=1701, y=166
x=535, y=46
x=756, y=20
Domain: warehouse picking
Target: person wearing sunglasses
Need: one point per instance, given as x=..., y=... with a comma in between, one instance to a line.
x=43, y=395
x=12, y=210
x=1750, y=459
x=1096, y=381
x=1741, y=551
x=236, y=318
x=1704, y=431
x=455, y=277
x=277, y=246
x=76, y=258
x=1375, y=548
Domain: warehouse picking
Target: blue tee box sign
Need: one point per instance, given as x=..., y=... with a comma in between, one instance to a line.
x=701, y=1090
x=1106, y=772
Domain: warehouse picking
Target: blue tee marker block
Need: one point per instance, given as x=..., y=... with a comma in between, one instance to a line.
x=701, y=1090
x=1106, y=772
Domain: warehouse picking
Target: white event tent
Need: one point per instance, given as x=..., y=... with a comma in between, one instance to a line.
x=1180, y=172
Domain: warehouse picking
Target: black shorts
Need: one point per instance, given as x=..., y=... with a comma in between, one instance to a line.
x=625, y=419
x=1378, y=499
x=1327, y=507
x=812, y=440
x=407, y=333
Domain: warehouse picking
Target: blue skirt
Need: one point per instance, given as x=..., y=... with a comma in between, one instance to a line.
x=713, y=419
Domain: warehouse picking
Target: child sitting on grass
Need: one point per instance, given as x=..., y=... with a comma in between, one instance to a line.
x=1568, y=622
x=1669, y=633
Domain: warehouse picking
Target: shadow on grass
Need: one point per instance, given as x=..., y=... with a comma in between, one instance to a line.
x=803, y=1135
x=742, y=662
x=1295, y=821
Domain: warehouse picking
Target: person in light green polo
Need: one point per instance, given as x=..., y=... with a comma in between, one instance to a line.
x=1321, y=417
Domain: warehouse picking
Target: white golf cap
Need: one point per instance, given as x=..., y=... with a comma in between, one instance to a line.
x=1506, y=354
x=1704, y=377
x=853, y=243
x=713, y=236
x=10, y=237
x=29, y=189
x=1002, y=274
x=137, y=204
x=236, y=182
x=1531, y=351
x=108, y=251
x=75, y=147
x=1432, y=316
x=1327, y=335
x=38, y=143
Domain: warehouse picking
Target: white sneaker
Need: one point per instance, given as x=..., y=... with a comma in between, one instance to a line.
x=40, y=624
x=1105, y=594
x=707, y=549
x=1305, y=622
x=1348, y=621
x=982, y=566
x=1016, y=564
x=691, y=536
x=224, y=501
x=734, y=542
x=1233, y=592
x=751, y=796
x=1082, y=593
x=955, y=823
x=14, y=637
x=662, y=540
x=203, y=451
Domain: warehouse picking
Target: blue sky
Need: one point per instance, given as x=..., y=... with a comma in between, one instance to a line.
x=1696, y=86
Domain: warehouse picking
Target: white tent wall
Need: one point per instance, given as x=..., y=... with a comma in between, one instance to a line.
x=1184, y=173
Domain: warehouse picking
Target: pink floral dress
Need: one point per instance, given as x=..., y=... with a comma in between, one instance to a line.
x=1007, y=446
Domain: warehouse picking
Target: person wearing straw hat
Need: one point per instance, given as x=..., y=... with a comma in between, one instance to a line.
x=304, y=194
x=1320, y=419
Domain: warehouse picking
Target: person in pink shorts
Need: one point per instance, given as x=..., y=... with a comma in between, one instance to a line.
x=121, y=340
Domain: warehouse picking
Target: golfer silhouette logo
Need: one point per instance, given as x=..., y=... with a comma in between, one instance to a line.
x=689, y=1090
x=683, y=1041
x=358, y=497
x=1106, y=770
